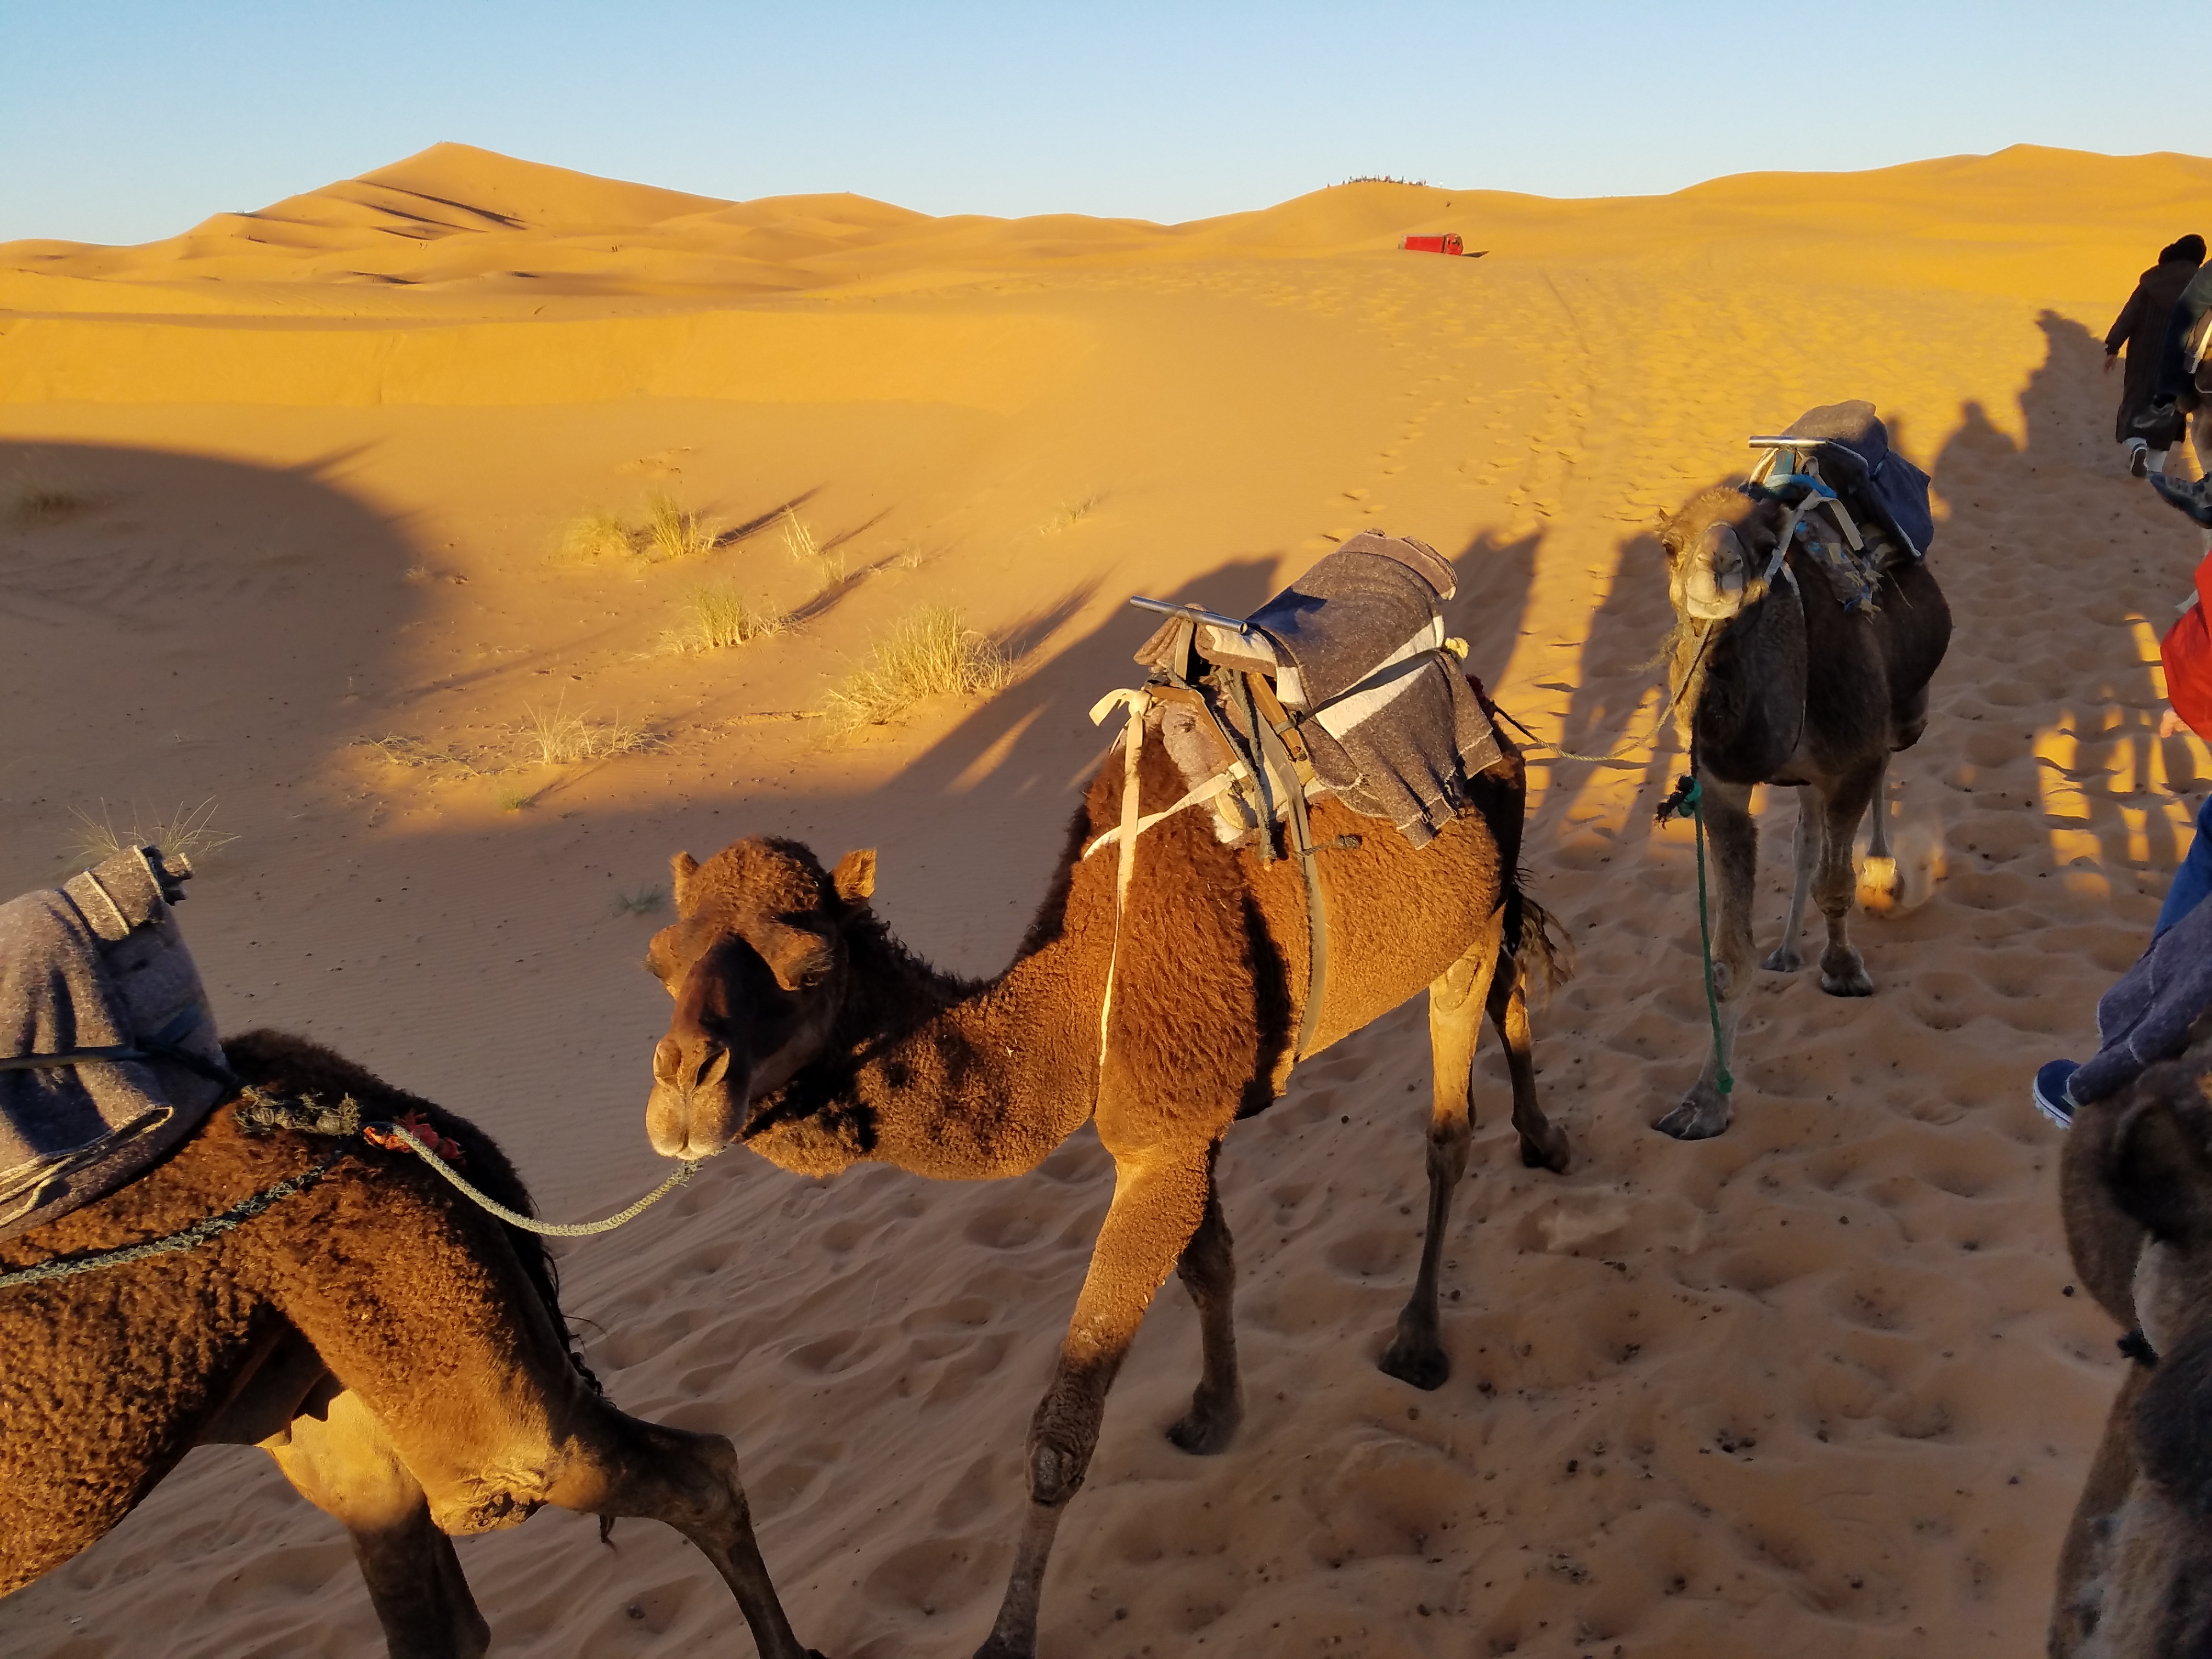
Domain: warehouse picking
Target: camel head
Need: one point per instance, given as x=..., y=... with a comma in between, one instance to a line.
x=1717, y=547
x=757, y=964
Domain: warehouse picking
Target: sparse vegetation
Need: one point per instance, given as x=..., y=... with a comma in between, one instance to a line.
x=722, y=617
x=642, y=902
x=1067, y=515
x=1388, y=178
x=595, y=536
x=931, y=654
x=672, y=531
x=508, y=799
x=396, y=749
x=798, y=541
x=34, y=497
x=554, y=737
x=669, y=530
x=189, y=830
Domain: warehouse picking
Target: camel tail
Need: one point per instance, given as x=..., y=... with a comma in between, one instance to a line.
x=1540, y=944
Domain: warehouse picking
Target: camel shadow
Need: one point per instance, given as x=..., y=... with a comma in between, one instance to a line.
x=105, y=614
x=2064, y=533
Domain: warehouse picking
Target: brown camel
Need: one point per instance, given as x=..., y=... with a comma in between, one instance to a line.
x=1778, y=682
x=2134, y=1575
x=806, y=1030
x=399, y=1353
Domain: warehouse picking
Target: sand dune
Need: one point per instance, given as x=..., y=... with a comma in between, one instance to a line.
x=1816, y=1388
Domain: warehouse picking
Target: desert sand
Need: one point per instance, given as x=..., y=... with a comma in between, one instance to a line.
x=1816, y=1388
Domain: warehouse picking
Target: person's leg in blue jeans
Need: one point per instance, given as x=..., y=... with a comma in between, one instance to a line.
x=2194, y=879
x=2193, y=883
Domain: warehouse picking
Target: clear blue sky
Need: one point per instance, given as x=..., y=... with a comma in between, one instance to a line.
x=122, y=122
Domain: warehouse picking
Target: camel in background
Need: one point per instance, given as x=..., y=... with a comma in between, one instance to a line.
x=1778, y=682
x=805, y=1031
x=398, y=1352
x=2134, y=1575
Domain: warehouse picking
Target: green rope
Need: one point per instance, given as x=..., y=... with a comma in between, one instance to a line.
x=1690, y=806
x=192, y=1237
x=531, y=1224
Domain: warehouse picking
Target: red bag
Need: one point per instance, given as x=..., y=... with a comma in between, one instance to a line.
x=2187, y=654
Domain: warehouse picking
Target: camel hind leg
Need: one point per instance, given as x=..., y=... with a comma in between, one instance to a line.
x=1208, y=1269
x=1543, y=1143
x=1457, y=1001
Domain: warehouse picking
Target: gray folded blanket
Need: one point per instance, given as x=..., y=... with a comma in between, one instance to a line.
x=2147, y=1015
x=98, y=963
x=1392, y=726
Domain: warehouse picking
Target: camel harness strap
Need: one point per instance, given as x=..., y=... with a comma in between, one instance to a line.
x=1687, y=802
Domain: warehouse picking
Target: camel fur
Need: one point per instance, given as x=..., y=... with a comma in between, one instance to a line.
x=1791, y=689
x=803, y=1030
x=2135, y=1574
x=399, y=1353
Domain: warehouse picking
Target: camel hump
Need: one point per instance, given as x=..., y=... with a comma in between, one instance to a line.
x=97, y=970
x=1857, y=462
x=1355, y=651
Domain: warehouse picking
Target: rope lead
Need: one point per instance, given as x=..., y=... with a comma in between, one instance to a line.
x=1687, y=802
x=531, y=1224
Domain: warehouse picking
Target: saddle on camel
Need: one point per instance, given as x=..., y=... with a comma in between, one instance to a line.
x=282, y=1274
x=1807, y=626
x=1308, y=818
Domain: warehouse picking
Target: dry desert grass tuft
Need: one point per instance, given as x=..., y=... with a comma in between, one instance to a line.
x=669, y=530
x=643, y=902
x=827, y=563
x=722, y=617
x=1068, y=514
x=34, y=497
x=189, y=830
x=555, y=737
x=932, y=654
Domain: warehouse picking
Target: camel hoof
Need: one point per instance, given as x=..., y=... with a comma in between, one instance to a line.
x=1699, y=1117
x=1848, y=978
x=1547, y=1150
x=1782, y=959
x=1880, y=889
x=1424, y=1364
x=1204, y=1433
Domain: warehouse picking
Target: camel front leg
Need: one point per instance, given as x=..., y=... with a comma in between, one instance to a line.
x=1416, y=1353
x=1208, y=1269
x=338, y=1457
x=1732, y=866
x=1804, y=848
x=1156, y=1206
x=619, y=1465
x=1842, y=972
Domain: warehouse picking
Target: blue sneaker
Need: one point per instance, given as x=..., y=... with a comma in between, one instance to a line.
x=2049, y=1093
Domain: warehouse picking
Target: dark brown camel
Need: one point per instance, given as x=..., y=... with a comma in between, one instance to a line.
x=2134, y=1576
x=400, y=1354
x=1779, y=684
x=805, y=1031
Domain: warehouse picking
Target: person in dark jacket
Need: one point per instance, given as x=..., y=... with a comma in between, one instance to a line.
x=2141, y=329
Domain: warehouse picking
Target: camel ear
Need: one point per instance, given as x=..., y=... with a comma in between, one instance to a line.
x=2158, y=1168
x=854, y=877
x=798, y=959
x=682, y=868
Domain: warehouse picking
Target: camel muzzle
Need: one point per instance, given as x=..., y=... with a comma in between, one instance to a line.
x=693, y=1111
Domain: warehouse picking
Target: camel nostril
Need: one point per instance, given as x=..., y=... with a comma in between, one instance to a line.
x=714, y=1070
x=667, y=1061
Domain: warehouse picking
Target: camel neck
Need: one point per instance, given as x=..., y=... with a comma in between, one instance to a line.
x=954, y=1078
